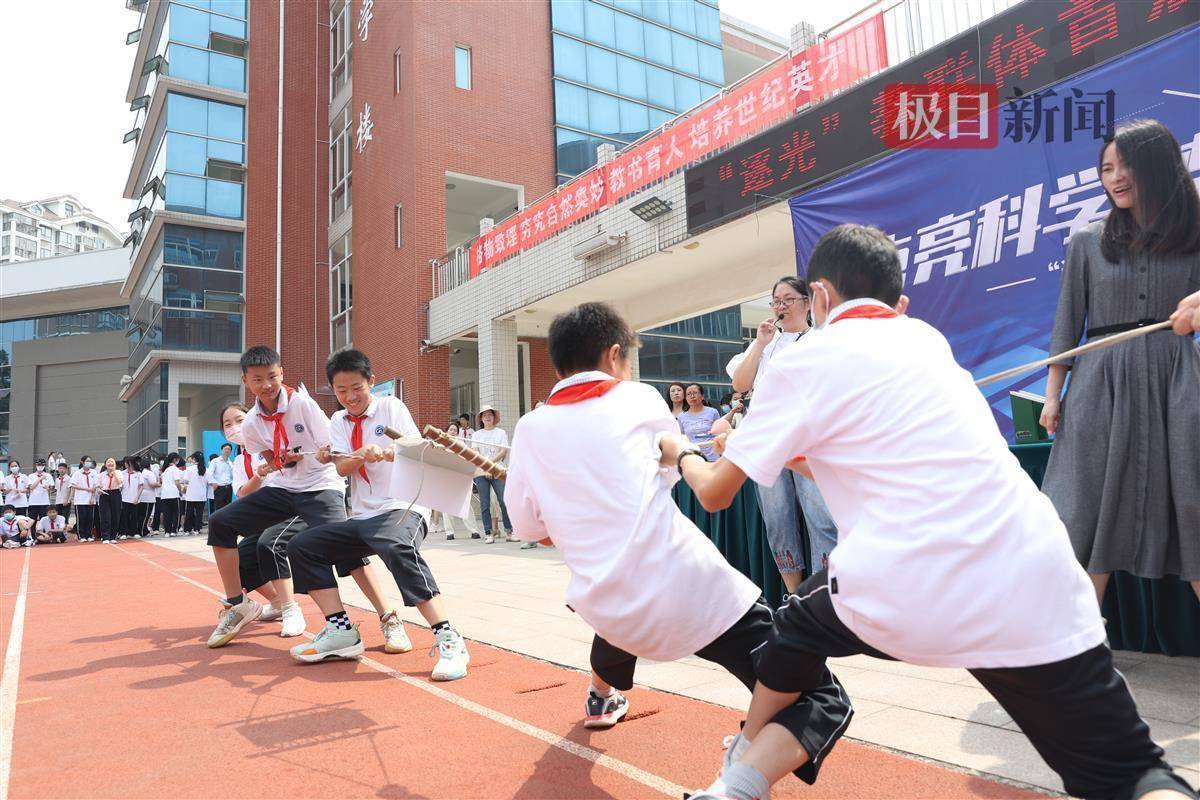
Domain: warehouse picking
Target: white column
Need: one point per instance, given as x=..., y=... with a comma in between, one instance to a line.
x=498, y=385
x=635, y=364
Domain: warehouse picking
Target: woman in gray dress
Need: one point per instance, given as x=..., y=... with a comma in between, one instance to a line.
x=1124, y=472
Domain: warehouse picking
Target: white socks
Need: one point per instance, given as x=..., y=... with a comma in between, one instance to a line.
x=609, y=692
x=741, y=782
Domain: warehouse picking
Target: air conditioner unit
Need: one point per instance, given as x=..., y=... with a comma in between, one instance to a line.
x=596, y=244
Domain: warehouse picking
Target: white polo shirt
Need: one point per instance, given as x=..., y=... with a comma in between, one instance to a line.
x=16, y=490
x=39, y=487
x=643, y=576
x=196, y=490
x=131, y=488
x=373, y=498
x=307, y=427
x=149, y=481
x=948, y=555
x=60, y=524
x=170, y=489
x=62, y=490
x=245, y=466
x=10, y=529
x=110, y=480
x=83, y=483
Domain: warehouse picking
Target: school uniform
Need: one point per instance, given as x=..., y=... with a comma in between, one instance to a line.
x=16, y=492
x=387, y=526
x=220, y=474
x=84, y=486
x=169, y=500
x=52, y=531
x=108, y=504
x=584, y=471
x=156, y=519
x=195, y=495
x=40, y=484
x=312, y=491
x=131, y=499
x=12, y=535
x=948, y=555
x=147, y=504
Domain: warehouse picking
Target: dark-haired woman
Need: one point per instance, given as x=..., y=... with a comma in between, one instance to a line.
x=1124, y=472
x=172, y=475
x=697, y=419
x=131, y=498
x=195, y=493
x=675, y=398
x=787, y=324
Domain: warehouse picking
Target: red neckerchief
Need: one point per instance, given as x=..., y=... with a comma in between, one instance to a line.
x=111, y=475
x=867, y=312
x=356, y=440
x=87, y=478
x=247, y=463
x=279, y=436
x=581, y=391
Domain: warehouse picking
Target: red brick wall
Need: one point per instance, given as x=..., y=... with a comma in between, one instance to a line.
x=541, y=371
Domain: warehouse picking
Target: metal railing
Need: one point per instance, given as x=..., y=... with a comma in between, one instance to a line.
x=452, y=269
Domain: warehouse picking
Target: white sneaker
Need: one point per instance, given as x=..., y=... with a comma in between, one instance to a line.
x=10, y=544
x=452, y=656
x=232, y=620
x=511, y=537
x=293, y=620
x=394, y=638
x=489, y=539
x=29, y=543
x=331, y=642
x=270, y=613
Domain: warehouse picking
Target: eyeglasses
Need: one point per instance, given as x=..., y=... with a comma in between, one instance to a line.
x=786, y=302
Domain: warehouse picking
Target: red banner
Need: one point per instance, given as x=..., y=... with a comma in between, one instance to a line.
x=757, y=104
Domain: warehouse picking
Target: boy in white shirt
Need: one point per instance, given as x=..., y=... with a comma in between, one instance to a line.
x=16, y=530
x=51, y=528
x=131, y=498
x=16, y=488
x=40, y=482
x=85, y=488
x=387, y=526
x=283, y=425
x=585, y=476
x=948, y=554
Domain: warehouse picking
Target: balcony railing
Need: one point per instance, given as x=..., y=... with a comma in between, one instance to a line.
x=452, y=269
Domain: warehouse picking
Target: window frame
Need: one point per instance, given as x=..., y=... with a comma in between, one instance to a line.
x=470, y=67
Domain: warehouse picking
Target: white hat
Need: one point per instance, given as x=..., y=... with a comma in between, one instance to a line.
x=479, y=414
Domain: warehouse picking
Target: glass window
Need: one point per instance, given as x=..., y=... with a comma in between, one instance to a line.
x=685, y=57
x=599, y=24
x=185, y=287
x=228, y=72
x=185, y=193
x=570, y=59
x=202, y=247
x=635, y=121
x=229, y=27
x=340, y=39
x=224, y=199
x=188, y=63
x=657, y=9
x=660, y=87
x=603, y=114
x=683, y=17
x=602, y=69
x=201, y=330
x=576, y=152
x=232, y=8
x=631, y=78
x=570, y=105
x=634, y=6
x=659, y=118
x=189, y=25
x=687, y=92
x=462, y=67
x=567, y=16
x=658, y=44
x=629, y=35
x=708, y=23
x=712, y=68
x=186, y=153
x=226, y=121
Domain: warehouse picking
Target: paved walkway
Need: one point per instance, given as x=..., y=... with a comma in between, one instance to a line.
x=513, y=599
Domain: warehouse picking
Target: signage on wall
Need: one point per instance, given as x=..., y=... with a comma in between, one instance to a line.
x=392, y=388
x=1028, y=47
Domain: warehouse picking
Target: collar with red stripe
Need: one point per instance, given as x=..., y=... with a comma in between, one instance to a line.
x=582, y=386
x=862, y=309
x=279, y=437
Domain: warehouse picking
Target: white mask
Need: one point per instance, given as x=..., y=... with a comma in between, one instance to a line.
x=14, y=470
x=813, y=288
x=40, y=468
x=234, y=434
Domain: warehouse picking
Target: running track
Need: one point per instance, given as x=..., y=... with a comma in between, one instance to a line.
x=109, y=691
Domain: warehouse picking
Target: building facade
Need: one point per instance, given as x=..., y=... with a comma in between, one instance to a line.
x=53, y=226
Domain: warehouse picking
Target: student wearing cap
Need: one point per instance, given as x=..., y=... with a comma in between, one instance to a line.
x=491, y=442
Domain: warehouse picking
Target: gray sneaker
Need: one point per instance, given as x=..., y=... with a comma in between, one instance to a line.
x=232, y=620
x=331, y=642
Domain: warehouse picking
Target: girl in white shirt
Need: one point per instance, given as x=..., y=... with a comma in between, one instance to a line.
x=195, y=493
x=16, y=488
x=171, y=476
x=84, y=487
x=131, y=497
x=108, y=502
x=40, y=481
x=149, y=486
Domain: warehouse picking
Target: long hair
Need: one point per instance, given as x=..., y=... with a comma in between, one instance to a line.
x=682, y=403
x=171, y=460
x=226, y=407
x=198, y=457
x=1165, y=195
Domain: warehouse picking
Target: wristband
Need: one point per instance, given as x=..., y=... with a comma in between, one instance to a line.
x=691, y=451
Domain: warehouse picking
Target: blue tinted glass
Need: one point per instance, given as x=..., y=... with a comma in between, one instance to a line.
x=630, y=5
x=683, y=17
x=202, y=330
x=658, y=44
x=599, y=24
x=686, y=57
x=575, y=152
x=233, y=8
x=629, y=35
x=603, y=114
x=708, y=23
x=226, y=151
x=567, y=16
x=569, y=59
x=225, y=121
x=225, y=199
x=602, y=69
x=229, y=27
x=186, y=153
x=189, y=25
x=712, y=68
x=631, y=78
x=657, y=9
x=570, y=105
x=228, y=72
x=687, y=93
x=187, y=113
x=462, y=67
x=635, y=120
x=707, y=91
x=660, y=87
x=659, y=118
x=185, y=193
x=188, y=63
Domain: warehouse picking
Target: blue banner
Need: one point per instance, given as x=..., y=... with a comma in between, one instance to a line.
x=982, y=233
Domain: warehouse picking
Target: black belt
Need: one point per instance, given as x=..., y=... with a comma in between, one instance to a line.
x=1108, y=330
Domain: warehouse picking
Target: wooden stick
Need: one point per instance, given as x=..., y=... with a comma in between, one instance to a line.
x=1099, y=344
x=453, y=445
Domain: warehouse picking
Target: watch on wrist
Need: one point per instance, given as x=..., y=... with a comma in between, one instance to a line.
x=691, y=451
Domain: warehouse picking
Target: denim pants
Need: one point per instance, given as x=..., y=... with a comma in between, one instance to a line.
x=484, y=485
x=782, y=505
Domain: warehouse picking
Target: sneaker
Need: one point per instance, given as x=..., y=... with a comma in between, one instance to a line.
x=511, y=538
x=232, y=620
x=293, y=620
x=10, y=544
x=604, y=712
x=706, y=794
x=331, y=642
x=29, y=543
x=270, y=613
x=449, y=537
x=394, y=638
x=452, y=656
x=529, y=545
x=489, y=539
x=475, y=536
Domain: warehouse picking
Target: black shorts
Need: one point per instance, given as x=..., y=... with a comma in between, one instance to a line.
x=269, y=506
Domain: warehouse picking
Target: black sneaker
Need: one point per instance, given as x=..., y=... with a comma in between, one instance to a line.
x=604, y=712
x=476, y=536
x=449, y=537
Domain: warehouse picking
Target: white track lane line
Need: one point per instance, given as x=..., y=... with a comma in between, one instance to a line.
x=584, y=752
x=8, y=683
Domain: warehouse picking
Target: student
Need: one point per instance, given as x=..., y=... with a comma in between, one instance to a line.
x=85, y=491
x=62, y=490
x=52, y=528
x=131, y=498
x=948, y=554
x=146, y=502
x=585, y=477
x=40, y=482
x=464, y=426
x=16, y=530
x=108, y=500
x=156, y=466
x=283, y=423
x=172, y=477
x=16, y=488
x=195, y=493
x=221, y=478
x=491, y=442
x=390, y=527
